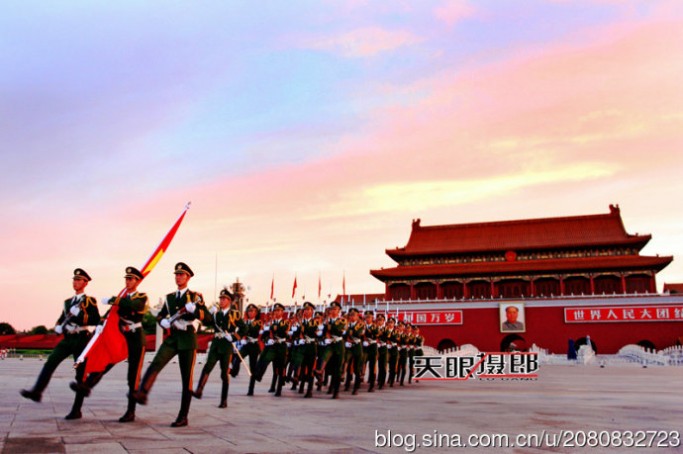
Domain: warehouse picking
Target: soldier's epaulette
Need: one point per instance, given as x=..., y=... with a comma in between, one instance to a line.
x=141, y=295
x=237, y=313
x=200, y=297
x=89, y=300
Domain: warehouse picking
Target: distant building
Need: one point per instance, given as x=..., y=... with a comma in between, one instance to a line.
x=568, y=277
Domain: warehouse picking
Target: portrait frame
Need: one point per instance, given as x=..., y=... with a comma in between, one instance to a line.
x=520, y=319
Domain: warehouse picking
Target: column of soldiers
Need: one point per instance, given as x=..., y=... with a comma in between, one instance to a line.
x=332, y=347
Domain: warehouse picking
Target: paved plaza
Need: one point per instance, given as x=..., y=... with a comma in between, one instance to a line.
x=569, y=398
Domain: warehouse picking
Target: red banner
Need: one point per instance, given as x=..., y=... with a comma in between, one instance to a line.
x=623, y=314
x=425, y=318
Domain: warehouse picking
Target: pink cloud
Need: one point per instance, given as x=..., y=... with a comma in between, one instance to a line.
x=454, y=11
x=365, y=42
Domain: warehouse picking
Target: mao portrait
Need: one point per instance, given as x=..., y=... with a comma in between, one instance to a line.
x=512, y=318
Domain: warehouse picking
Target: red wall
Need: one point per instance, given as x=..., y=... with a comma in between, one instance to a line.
x=546, y=328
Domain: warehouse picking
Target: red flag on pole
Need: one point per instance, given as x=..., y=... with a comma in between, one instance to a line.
x=272, y=287
x=109, y=346
x=294, y=287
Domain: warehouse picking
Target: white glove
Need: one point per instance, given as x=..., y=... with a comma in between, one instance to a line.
x=108, y=300
x=328, y=341
x=165, y=324
x=99, y=329
x=347, y=344
x=260, y=331
x=366, y=344
x=228, y=337
x=190, y=307
x=270, y=342
x=290, y=332
x=75, y=310
x=213, y=310
x=266, y=327
x=295, y=329
x=58, y=329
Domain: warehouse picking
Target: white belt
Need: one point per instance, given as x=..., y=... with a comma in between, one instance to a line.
x=73, y=329
x=220, y=335
x=181, y=325
x=372, y=341
x=336, y=338
x=130, y=326
x=250, y=340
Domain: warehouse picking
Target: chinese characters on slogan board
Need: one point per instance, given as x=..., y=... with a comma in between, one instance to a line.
x=623, y=314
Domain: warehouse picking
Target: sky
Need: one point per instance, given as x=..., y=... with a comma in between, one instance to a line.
x=309, y=134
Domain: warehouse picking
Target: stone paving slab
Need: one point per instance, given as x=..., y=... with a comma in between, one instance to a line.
x=563, y=398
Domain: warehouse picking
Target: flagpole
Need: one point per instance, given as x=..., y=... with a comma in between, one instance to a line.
x=215, y=278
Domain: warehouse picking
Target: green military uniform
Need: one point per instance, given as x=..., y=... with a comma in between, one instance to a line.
x=391, y=336
x=370, y=350
x=274, y=336
x=251, y=348
x=418, y=343
x=182, y=341
x=403, y=340
x=79, y=313
x=382, y=353
x=228, y=325
x=354, y=354
x=132, y=307
x=305, y=352
x=333, y=355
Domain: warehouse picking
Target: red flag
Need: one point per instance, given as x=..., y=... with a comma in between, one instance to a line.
x=109, y=347
x=272, y=287
x=294, y=287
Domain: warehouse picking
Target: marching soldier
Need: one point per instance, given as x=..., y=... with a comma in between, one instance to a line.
x=382, y=354
x=181, y=308
x=250, y=346
x=418, y=343
x=305, y=338
x=132, y=307
x=370, y=348
x=333, y=355
x=392, y=350
x=402, y=341
x=355, y=333
x=228, y=325
x=79, y=314
x=274, y=336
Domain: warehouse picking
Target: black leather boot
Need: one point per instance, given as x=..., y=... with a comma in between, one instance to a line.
x=224, y=395
x=129, y=415
x=203, y=378
x=181, y=420
x=140, y=396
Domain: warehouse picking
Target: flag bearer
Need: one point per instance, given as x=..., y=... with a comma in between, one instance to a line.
x=181, y=308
